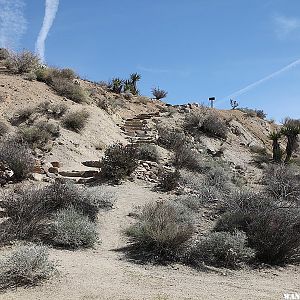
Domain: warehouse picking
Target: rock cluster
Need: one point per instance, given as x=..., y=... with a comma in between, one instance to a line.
x=6, y=174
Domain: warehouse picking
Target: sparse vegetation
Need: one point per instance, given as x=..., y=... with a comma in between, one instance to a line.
x=3, y=129
x=253, y=112
x=76, y=120
x=23, y=62
x=22, y=115
x=119, y=162
x=222, y=249
x=147, y=152
x=160, y=232
x=168, y=181
x=18, y=157
x=159, y=94
x=54, y=110
x=26, y=266
x=171, y=138
x=4, y=53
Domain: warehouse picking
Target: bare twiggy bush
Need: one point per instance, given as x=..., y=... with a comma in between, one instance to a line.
x=76, y=120
x=23, y=62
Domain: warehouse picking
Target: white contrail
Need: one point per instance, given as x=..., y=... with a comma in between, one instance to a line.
x=256, y=83
x=12, y=22
x=50, y=13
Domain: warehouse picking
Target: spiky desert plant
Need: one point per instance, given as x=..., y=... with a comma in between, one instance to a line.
x=134, y=78
x=277, y=152
x=117, y=85
x=158, y=93
x=291, y=129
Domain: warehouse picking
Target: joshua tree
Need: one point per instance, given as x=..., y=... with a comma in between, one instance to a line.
x=159, y=94
x=134, y=78
x=291, y=129
x=234, y=104
x=277, y=152
x=116, y=85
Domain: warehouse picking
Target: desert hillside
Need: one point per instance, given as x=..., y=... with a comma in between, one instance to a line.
x=108, y=194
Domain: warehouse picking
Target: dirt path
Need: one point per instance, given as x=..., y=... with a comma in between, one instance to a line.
x=104, y=274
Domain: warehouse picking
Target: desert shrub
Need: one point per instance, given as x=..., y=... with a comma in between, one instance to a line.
x=208, y=122
x=26, y=266
x=147, y=152
x=40, y=134
x=18, y=157
x=160, y=232
x=169, y=181
x=4, y=53
x=3, y=129
x=28, y=212
x=214, y=126
x=71, y=229
x=63, y=74
x=22, y=115
x=66, y=88
x=283, y=182
x=253, y=112
x=272, y=230
x=222, y=249
x=48, y=75
x=30, y=76
x=43, y=75
x=54, y=110
x=159, y=94
x=170, y=138
x=75, y=120
x=119, y=162
x=23, y=62
x=219, y=177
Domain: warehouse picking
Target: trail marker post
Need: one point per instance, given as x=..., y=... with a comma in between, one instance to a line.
x=212, y=100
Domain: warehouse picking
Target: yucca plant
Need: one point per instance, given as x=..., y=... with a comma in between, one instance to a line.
x=134, y=78
x=159, y=94
x=277, y=152
x=117, y=85
x=291, y=129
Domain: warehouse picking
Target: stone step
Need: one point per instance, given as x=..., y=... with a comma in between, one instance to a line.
x=92, y=163
x=81, y=174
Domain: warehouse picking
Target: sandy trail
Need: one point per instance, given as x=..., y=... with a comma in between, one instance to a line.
x=102, y=273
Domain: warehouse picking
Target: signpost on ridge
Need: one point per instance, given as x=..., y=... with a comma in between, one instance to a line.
x=212, y=99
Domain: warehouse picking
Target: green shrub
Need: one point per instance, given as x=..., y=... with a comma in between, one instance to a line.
x=30, y=76
x=18, y=157
x=26, y=266
x=119, y=162
x=72, y=229
x=169, y=181
x=75, y=120
x=160, y=232
x=171, y=138
x=22, y=115
x=147, y=152
x=4, y=53
x=66, y=88
x=48, y=75
x=253, y=112
x=272, y=230
x=222, y=249
x=23, y=62
x=282, y=182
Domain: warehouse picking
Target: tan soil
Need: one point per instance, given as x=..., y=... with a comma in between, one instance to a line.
x=103, y=273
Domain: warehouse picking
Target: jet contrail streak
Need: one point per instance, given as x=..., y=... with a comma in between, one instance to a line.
x=256, y=83
x=50, y=13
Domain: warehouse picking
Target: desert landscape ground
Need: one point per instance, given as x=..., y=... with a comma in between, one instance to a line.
x=134, y=198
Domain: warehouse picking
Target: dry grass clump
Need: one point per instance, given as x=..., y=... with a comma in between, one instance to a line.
x=26, y=266
x=53, y=110
x=23, y=62
x=171, y=139
x=22, y=115
x=18, y=157
x=76, y=120
x=72, y=229
x=221, y=249
x=161, y=230
x=119, y=162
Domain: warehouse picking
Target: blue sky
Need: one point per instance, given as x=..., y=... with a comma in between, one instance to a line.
x=194, y=49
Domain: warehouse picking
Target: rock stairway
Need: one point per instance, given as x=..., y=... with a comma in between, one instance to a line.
x=138, y=130
x=3, y=70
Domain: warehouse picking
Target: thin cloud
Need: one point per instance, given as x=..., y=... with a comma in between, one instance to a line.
x=12, y=23
x=284, y=26
x=50, y=13
x=184, y=73
x=261, y=81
